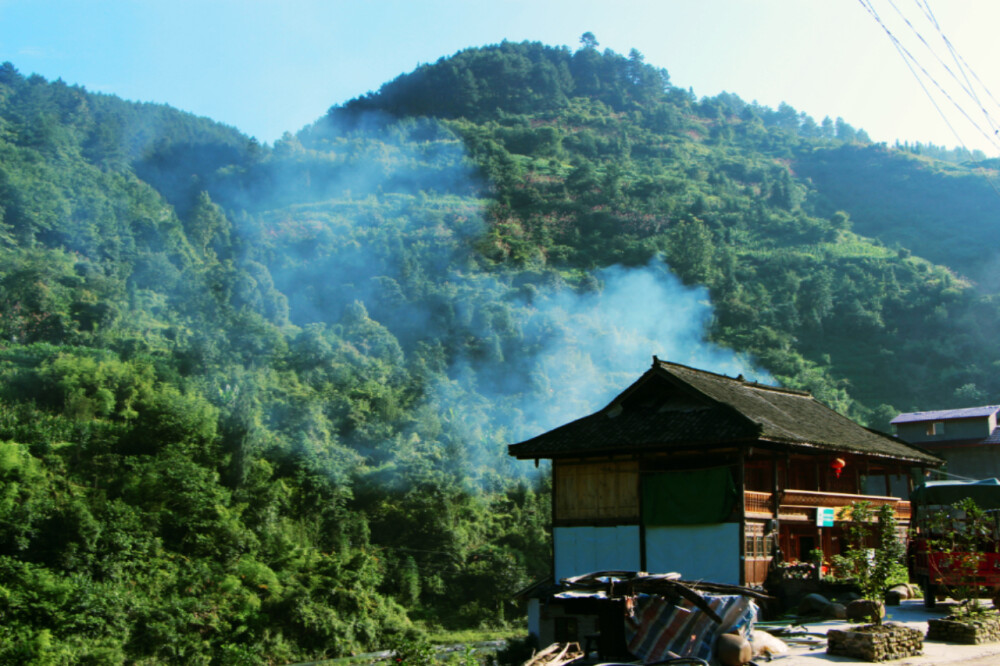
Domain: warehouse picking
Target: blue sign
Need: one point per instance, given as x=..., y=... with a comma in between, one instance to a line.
x=824, y=516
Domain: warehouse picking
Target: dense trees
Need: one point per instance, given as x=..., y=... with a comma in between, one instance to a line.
x=254, y=401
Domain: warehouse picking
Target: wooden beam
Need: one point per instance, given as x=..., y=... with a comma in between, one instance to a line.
x=741, y=489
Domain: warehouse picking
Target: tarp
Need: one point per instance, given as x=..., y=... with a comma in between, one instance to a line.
x=985, y=493
x=688, y=497
x=658, y=626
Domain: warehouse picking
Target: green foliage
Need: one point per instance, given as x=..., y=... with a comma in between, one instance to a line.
x=875, y=552
x=249, y=396
x=411, y=648
x=965, y=531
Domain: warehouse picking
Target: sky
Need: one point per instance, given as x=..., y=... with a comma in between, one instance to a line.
x=267, y=67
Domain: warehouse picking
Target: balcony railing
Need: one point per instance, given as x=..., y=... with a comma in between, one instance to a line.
x=758, y=503
x=800, y=505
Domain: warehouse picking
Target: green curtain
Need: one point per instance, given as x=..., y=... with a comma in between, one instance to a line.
x=689, y=497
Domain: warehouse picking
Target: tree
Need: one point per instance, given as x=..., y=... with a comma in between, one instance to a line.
x=875, y=553
x=691, y=251
x=587, y=41
x=962, y=530
x=827, y=130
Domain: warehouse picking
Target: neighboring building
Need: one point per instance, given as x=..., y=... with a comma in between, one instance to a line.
x=703, y=474
x=967, y=439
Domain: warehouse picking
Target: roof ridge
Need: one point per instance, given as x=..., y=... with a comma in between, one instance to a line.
x=738, y=379
x=955, y=412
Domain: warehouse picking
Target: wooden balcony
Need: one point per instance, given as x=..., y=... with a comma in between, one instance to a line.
x=757, y=504
x=801, y=505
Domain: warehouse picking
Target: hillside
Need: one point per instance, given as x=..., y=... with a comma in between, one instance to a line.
x=613, y=165
x=254, y=399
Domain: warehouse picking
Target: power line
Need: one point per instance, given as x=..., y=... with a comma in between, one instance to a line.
x=957, y=56
x=966, y=86
x=914, y=64
x=911, y=61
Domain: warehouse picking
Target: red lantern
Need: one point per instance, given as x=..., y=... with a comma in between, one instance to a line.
x=837, y=466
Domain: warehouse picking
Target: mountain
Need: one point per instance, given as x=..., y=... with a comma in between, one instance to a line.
x=254, y=399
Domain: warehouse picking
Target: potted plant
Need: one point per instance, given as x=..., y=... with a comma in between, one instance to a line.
x=872, y=570
x=963, y=530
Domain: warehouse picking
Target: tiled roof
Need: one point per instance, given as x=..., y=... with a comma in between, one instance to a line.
x=673, y=406
x=946, y=414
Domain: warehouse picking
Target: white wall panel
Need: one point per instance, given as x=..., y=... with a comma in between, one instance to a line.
x=580, y=550
x=697, y=552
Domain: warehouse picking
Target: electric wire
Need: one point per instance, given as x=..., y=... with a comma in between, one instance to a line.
x=965, y=86
x=911, y=60
x=955, y=54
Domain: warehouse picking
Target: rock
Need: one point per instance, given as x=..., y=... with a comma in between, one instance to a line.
x=899, y=593
x=813, y=604
x=733, y=650
x=835, y=611
x=862, y=610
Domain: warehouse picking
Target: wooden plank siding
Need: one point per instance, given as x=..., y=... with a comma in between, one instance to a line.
x=597, y=492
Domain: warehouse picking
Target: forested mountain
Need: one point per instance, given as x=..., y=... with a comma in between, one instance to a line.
x=254, y=399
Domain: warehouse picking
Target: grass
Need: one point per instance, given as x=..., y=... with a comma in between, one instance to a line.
x=443, y=637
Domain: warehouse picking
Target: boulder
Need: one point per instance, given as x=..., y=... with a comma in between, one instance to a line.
x=899, y=593
x=835, y=611
x=733, y=650
x=813, y=604
x=861, y=610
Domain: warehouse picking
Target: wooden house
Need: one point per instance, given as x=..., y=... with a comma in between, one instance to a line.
x=708, y=475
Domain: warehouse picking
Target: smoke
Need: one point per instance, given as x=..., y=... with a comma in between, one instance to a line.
x=603, y=340
x=387, y=214
x=585, y=348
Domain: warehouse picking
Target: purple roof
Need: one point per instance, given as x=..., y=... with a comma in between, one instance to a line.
x=947, y=414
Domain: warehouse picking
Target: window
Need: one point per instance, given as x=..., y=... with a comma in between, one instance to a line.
x=935, y=428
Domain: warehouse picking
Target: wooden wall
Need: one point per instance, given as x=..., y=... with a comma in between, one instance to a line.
x=597, y=492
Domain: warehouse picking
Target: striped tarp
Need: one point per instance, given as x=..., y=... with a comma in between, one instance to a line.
x=658, y=627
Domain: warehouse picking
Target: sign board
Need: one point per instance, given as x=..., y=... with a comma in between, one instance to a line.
x=824, y=516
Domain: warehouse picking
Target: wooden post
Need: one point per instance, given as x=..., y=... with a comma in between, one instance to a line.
x=775, y=499
x=741, y=486
x=552, y=509
x=642, y=523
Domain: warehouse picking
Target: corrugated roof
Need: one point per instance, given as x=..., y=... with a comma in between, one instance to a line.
x=675, y=406
x=946, y=414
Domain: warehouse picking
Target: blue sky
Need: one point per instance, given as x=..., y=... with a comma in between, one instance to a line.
x=269, y=67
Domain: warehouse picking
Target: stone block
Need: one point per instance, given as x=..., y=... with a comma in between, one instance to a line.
x=966, y=631
x=876, y=642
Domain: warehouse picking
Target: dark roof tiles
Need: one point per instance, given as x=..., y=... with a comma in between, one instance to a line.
x=693, y=408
